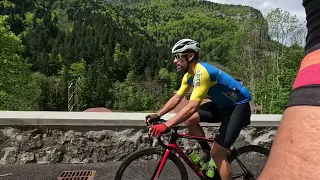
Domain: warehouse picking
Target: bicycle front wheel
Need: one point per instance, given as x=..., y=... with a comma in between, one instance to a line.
x=143, y=164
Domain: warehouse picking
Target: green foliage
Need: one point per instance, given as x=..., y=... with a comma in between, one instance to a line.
x=17, y=90
x=144, y=94
x=78, y=69
x=116, y=53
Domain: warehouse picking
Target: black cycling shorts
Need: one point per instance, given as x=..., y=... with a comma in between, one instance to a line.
x=232, y=119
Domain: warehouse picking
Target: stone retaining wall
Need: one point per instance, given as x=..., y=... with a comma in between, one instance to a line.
x=19, y=146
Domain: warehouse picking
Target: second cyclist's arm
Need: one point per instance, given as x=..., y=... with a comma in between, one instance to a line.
x=295, y=149
x=201, y=86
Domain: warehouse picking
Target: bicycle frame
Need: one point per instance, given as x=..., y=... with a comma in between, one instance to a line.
x=173, y=147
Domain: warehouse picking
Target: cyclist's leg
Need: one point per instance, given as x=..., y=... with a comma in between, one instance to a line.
x=204, y=114
x=234, y=119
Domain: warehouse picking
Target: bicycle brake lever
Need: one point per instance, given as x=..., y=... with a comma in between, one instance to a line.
x=148, y=126
x=149, y=134
x=149, y=140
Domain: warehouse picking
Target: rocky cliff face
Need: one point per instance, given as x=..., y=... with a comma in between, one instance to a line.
x=55, y=146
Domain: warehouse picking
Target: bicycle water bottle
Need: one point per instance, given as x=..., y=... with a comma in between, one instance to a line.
x=211, y=168
x=196, y=159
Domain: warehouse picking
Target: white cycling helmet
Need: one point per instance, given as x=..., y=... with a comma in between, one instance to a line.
x=186, y=44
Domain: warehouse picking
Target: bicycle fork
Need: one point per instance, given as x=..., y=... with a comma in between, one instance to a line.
x=161, y=165
x=182, y=155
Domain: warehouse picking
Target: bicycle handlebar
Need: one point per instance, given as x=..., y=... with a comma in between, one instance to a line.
x=172, y=129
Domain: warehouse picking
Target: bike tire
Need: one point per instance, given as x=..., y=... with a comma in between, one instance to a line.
x=249, y=148
x=246, y=149
x=150, y=151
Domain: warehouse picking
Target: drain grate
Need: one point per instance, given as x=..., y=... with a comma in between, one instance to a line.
x=77, y=175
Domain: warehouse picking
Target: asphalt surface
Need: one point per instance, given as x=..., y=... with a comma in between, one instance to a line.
x=52, y=171
x=104, y=171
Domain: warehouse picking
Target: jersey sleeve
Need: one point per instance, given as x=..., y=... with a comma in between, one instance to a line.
x=185, y=87
x=201, y=83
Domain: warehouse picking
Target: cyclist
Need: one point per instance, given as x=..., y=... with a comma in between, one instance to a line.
x=229, y=103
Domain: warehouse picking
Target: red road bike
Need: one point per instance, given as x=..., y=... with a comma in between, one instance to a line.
x=171, y=153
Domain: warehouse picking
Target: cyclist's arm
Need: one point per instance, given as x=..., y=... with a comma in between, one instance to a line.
x=200, y=90
x=294, y=153
x=176, y=99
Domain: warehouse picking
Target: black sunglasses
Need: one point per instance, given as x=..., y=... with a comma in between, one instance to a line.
x=180, y=55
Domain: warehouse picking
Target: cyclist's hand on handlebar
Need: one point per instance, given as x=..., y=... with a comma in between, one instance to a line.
x=158, y=129
x=152, y=118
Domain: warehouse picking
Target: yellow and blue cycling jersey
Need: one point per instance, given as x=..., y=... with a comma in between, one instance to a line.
x=212, y=83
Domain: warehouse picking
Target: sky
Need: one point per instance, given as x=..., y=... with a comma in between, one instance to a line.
x=294, y=7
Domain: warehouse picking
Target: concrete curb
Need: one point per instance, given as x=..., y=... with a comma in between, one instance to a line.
x=111, y=119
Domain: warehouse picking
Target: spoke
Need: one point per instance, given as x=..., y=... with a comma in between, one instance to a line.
x=167, y=172
x=249, y=161
x=237, y=176
x=142, y=168
x=139, y=173
x=149, y=168
x=126, y=177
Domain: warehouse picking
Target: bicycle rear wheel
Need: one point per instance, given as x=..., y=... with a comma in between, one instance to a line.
x=242, y=162
x=140, y=159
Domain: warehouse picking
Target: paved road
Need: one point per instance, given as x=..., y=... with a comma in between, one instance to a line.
x=52, y=171
x=105, y=171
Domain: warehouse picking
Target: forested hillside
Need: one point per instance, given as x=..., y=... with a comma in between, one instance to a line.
x=76, y=54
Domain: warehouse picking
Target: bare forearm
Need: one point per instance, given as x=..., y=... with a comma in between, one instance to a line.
x=170, y=105
x=182, y=115
x=294, y=154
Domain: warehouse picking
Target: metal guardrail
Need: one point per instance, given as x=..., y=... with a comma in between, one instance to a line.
x=104, y=119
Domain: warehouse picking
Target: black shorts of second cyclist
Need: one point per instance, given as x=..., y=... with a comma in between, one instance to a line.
x=232, y=119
